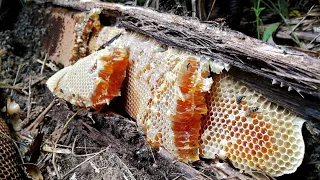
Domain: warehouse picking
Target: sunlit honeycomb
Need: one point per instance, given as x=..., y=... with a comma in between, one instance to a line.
x=8, y=156
x=268, y=139
x=92, y=81
x=165, y=92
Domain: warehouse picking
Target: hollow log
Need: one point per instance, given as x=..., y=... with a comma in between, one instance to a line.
x=259, y=63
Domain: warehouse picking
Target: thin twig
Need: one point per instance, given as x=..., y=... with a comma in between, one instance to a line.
x=36, y=122
x=211, y=9
x=313, y=40
x=39, y=79
x=50, y=65
x=85, y=161
x=17, y=88
x=11, y=87
x=15, y=79
x=44, y=63
x=79, y=147
x=178, y=176
x=57, y=140
x=154, y=159
x=78, y=155
x=55, y=150
x=29, y=99
x=297, y=25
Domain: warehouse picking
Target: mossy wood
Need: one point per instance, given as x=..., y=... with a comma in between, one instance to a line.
x=259, y=63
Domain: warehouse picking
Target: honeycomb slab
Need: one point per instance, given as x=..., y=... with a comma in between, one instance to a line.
x=251, y=131
x=92, y=81
x=181, y=107
x=165, y=92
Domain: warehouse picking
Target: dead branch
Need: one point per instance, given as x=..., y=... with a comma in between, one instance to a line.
x=295, y=69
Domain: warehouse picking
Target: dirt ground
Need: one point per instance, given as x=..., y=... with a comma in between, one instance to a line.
x=91, y=145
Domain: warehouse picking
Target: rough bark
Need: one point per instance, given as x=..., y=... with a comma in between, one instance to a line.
x=307, y=106
x=293, y=68
x=263, y=62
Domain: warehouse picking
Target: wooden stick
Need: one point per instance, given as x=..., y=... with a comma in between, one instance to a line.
x=39, y=119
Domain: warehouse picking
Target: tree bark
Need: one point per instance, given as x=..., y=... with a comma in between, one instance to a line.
x=263, y=62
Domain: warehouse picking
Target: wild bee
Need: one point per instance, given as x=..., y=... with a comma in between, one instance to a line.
x=162, y=48
x=251, y=110
x=188, y=66
x=239, y=99
x=315, y=132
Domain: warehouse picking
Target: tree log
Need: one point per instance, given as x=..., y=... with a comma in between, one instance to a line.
x=293, y=68
x=262, y=62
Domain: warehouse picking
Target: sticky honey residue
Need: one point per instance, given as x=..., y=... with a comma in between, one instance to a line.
x=112, y=76
x=186, y=123
x=165, y=93
x=86, y=30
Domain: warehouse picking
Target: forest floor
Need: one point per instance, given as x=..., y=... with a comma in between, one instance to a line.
x=89, y=144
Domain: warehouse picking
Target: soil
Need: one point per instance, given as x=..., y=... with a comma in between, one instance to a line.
x=122, y=150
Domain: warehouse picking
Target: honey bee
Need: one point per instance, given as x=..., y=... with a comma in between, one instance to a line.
x=239, y=99
x=162, y=48
x=251, y=110
x=313, y=130
x=188, y=66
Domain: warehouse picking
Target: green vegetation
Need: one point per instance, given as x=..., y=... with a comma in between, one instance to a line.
x=257, y=10
x=279, y=7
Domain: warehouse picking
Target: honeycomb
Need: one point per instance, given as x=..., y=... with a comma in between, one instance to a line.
x=87, y=28
x=251, y=131
x=92, y=81
x=170, y=94
x=8, y=163
x=165, y=92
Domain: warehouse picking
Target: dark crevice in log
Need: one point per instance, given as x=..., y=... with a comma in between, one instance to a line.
x=307, y=107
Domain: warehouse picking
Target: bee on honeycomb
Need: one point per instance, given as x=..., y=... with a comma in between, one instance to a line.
x=270, y=139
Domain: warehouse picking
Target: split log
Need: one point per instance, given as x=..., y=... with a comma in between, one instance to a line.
x=263, y=61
